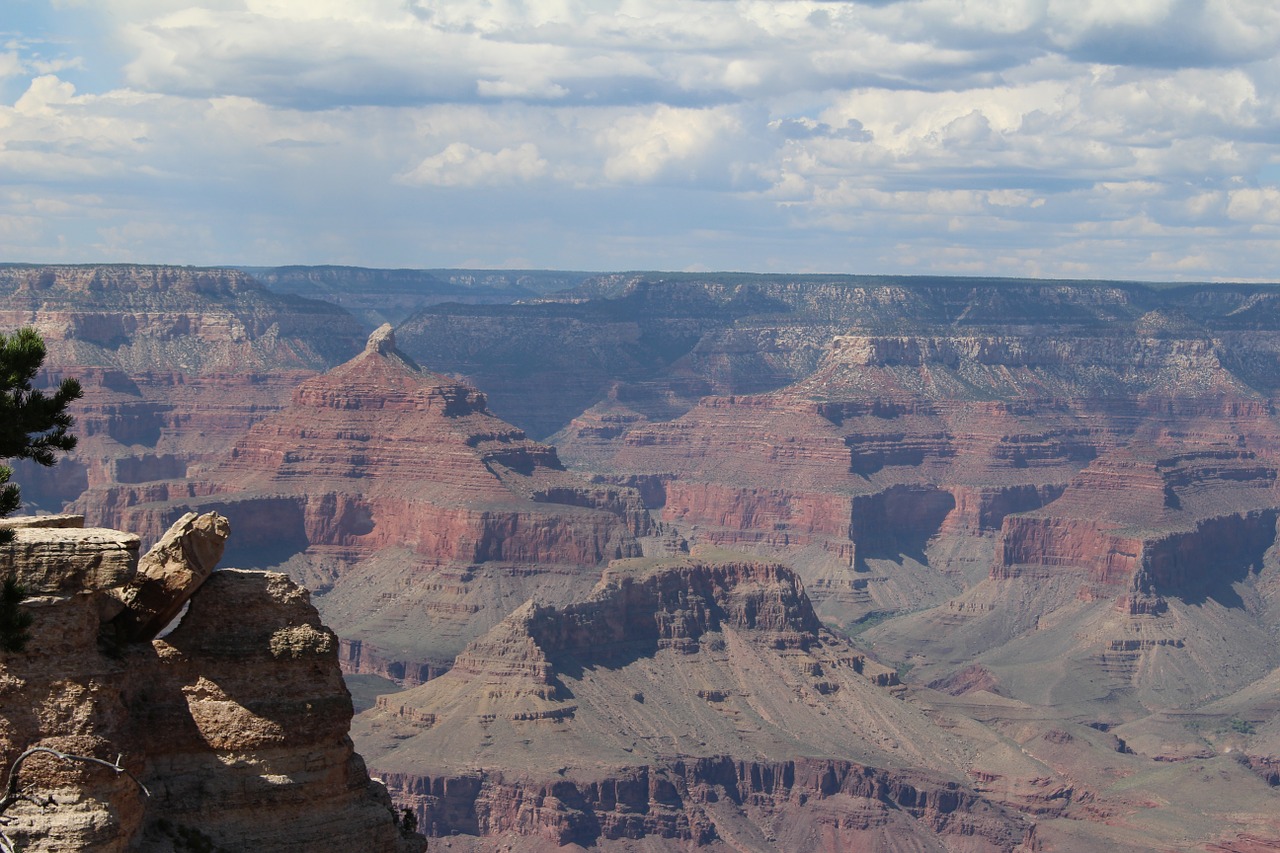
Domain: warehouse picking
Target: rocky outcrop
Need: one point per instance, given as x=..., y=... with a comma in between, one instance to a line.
x=670, y=609
x=261, y=758
x=232, y=729
x=690, y=701
x=170, y=573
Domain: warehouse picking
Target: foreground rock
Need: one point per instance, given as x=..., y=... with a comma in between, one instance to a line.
x=235, y=723
x=170, y=573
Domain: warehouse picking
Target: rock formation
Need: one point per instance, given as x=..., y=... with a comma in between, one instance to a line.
x=648, y=347
x=170, y=572
x=421, y=517
x=1056, y=502
x=232, y=729
x=176, y=363
x=905, y=469
x=697, y=702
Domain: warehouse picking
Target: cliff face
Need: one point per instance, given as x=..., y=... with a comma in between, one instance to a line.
x=1001, y=462
x=640, y=345
x=389, y=489
x=153, y=318
x=234, y=725
x=804, y=804
x=695, y=701
x=1151, y=574
x=176, y=364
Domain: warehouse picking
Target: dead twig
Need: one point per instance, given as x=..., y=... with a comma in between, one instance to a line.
x=13, y=793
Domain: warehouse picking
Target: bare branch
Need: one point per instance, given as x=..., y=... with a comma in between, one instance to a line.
x=12, y=794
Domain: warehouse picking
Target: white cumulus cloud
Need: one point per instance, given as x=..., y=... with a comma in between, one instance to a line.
x=460, y=165
x=1056, y=137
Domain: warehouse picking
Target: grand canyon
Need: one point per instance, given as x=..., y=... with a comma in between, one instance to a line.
x=653, y=561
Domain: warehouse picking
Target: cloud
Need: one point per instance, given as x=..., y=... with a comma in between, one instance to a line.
x=1165, y=33
x=10, y=64
x=1254, y=205
x=45, y=94
x=682, y=146
x=460, y=165
x=1059, y=136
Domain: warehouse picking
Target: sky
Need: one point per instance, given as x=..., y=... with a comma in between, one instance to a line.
x=1130, y=139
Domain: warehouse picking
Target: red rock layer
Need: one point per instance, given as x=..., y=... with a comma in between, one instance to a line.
x=804, y=804
x=378, y=452
x=379, y=457
x=1171, y=522
x=140, y=433
x=903, y=446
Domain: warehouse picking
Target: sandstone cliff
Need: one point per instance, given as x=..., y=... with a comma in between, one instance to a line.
x=233, y=726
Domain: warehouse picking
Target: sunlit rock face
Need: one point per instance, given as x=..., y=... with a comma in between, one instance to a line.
x=232, y=729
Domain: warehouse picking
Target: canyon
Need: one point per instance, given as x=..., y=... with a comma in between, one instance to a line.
x=175, y=363
x=419, y=517
x=1037, y=518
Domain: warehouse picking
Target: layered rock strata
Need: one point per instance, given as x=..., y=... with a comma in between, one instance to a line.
x=669, y=340
x=176, y=363
x=696, y=701
x=141, y=319
x=1146, y=583
x=232, y=729
x=420, y=516
x=1006, y=481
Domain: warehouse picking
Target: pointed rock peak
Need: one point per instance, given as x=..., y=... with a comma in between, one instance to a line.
x=383, y=342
